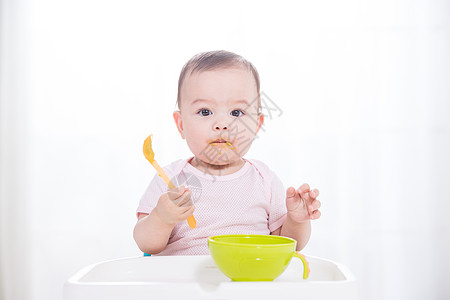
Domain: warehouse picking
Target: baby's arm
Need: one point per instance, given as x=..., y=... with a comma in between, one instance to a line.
x=300, y=232
x=302, y=206
x=152, y=231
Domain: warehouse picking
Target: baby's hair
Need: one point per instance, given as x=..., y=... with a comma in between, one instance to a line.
x=213, y=60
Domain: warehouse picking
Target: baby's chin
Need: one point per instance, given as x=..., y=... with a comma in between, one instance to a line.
x=225, y=158
x=221, y=160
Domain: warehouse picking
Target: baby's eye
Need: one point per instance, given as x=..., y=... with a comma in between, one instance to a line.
x=237, y=113
x=204, y=112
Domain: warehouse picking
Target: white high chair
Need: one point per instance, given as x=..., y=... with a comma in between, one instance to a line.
x=197, y=277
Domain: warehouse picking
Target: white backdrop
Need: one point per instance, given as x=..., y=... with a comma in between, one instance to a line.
x=364, y=93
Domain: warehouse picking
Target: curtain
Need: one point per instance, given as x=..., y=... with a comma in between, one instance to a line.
x=15, y=280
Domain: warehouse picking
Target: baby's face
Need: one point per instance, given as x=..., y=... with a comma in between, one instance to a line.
x=218, y=114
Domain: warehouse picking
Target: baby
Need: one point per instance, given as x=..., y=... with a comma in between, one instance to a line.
x=219, y=116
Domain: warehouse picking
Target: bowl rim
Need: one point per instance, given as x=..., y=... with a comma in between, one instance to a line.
x=212, y=239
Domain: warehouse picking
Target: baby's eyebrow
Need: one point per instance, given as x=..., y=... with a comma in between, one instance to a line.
x=243, y=101
x=201, y=100
x=233, y=102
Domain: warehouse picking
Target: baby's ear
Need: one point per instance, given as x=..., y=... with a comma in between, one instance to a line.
x=178, y=122
x=260, y=120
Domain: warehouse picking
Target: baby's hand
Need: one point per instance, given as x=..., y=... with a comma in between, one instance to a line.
x=302, y=204
x=175, y=205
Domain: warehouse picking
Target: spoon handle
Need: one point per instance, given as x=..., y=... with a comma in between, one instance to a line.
x=163, y=175
x=191, y=220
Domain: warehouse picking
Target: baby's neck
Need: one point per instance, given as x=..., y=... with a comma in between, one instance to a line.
x=217, y=170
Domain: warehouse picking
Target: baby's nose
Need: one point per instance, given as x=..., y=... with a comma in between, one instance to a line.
x=221, y=126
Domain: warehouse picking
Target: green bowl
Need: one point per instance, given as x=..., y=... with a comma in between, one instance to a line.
x=244, y=257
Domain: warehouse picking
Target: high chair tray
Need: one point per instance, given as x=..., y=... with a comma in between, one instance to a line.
x=197, y=277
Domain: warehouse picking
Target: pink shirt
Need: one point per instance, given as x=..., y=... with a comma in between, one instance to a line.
x=249, y=201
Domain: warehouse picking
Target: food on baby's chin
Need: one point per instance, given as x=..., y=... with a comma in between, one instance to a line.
x=221, y=145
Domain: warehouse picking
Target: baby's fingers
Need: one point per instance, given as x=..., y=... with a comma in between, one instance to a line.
x=189, y=211
x=290, y=192
x=177, y=192
x=304, y=188
x=184, y=200
x=304, y=191
x=315, y=215
x=292, y=199
x=315, y=204
x=314, y=193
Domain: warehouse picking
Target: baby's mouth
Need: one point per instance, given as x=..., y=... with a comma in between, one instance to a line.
x=221, y=143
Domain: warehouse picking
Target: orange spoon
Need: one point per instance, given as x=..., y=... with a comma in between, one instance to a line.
x=150, y=156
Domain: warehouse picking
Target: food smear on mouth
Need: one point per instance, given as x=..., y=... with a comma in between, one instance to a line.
x=222, y=143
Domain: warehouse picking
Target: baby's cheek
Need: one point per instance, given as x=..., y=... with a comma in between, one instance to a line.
x=251, y=124
x=195, y=147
